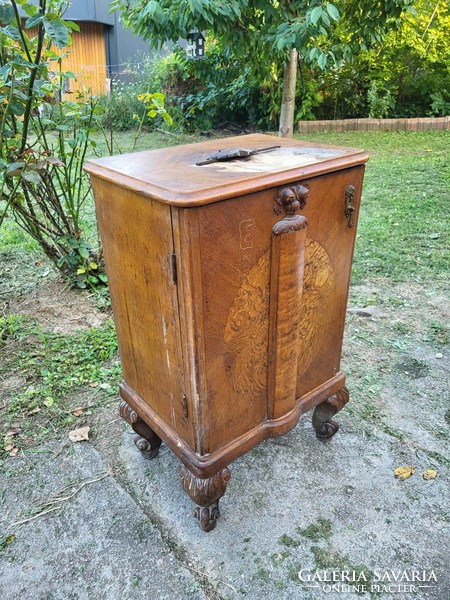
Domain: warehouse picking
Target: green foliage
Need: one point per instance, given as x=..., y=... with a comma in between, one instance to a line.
x=380, y=101
x=45, y=139
x=154, y=106
x=207, y=92
x=256, y=38
x=122, y=106
x=410, y=67
x=198, y=94
x=264, y=31
x=14, y=327
x=126, y=107
x=439, y=105
x=204, y=94
x=259, y=36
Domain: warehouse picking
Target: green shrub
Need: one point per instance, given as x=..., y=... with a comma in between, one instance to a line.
x=45, y=139
x=380, y=101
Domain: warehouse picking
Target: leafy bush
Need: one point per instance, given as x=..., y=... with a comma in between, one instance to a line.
x=203, y=93
x=46, y=138
x=440, y=106
x=380, y=101
x=124, y=106
x=407, y=74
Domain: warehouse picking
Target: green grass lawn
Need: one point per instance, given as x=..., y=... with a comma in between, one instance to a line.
x=404, y=227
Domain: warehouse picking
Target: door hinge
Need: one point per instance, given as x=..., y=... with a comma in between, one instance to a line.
x=185, y=406
x=174, y=268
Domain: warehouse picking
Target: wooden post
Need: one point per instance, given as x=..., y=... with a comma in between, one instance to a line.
x=288, y=98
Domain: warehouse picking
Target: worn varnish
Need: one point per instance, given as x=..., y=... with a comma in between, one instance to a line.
x=229, y=286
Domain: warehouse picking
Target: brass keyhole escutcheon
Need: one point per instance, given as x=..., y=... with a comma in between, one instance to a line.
x=349, y=208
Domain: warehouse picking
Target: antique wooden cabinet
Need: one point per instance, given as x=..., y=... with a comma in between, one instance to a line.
x=229, y=283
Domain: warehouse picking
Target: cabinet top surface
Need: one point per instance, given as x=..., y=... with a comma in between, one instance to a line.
x=173, y=176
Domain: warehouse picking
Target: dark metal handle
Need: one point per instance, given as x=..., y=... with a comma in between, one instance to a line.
x=232, y=154
x=349, y=208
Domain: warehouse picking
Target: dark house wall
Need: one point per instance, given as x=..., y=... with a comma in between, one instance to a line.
x=90, y=10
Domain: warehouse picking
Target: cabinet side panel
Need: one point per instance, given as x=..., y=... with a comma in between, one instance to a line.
x=328, y=262
x=136, y=234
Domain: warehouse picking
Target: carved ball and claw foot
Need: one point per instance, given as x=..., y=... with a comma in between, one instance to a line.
x=325, y=427
x=145, y=439
x=206, y=493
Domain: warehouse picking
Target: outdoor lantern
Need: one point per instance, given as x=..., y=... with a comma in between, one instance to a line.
x=195, y=45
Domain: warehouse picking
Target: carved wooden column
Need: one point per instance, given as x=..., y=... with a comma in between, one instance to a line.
x=286, y=286
x=206, y=493
x=146, y=439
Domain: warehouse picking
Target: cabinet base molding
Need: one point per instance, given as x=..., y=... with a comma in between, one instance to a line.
x=210, y=464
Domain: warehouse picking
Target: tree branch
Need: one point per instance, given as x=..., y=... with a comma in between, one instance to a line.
x=37, y=60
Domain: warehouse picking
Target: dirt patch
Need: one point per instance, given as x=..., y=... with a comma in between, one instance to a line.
x=58, y=309
x=413, y=368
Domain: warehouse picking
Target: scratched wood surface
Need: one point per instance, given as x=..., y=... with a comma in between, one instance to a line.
x=171, y=175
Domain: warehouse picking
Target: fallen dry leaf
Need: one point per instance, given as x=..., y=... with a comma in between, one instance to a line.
x=34, y=411
x=8, y=540
x=13, y=431
x=79, y=435
x=8, y=447
x=404, y=472
x=14, y=451
x=430, y=474
x=93, y=384
x=78, y=411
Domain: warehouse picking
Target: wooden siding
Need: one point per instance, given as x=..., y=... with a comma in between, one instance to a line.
x=86, y=57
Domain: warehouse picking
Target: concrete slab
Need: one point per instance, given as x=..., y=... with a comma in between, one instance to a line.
x=99, y=546
x=296, y=503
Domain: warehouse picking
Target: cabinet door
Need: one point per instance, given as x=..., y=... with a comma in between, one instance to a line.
x=228, y=253
x=328, y=261
x=232, y=241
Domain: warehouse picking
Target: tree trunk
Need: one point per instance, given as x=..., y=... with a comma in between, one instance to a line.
x=288, y=98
